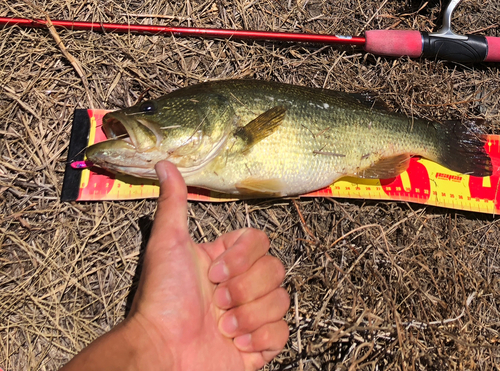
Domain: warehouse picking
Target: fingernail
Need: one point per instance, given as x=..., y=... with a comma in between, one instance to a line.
x=229, y=325
x=243, y=342
x=161, y=172
x=218, y=272
x=222, y=298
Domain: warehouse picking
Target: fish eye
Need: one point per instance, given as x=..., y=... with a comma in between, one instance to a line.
x=148, y=107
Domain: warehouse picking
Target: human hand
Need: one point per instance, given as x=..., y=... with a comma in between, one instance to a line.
x=213, y=306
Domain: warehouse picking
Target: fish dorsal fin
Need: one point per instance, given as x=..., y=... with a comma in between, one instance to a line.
x=261, y=187
x=385, y=168
x=262, y=126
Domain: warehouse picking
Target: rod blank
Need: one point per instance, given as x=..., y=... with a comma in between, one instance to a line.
x=186, y=31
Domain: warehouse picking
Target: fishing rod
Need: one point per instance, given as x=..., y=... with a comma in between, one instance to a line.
x=444, y=44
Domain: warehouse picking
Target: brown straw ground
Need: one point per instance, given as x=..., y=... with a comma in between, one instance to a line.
x=374, y=285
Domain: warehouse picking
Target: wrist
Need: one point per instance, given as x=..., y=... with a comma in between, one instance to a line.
x=130, y=346
x=147, y=345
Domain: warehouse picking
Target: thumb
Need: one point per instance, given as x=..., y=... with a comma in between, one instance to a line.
x=171, y=213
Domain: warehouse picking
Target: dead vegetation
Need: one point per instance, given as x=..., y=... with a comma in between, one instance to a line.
x=374, y=285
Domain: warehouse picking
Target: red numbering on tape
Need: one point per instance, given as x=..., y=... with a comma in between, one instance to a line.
x=419, y=187
x=99, y=184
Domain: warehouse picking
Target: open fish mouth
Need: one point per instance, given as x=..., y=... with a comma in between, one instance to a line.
x=114, y=129
x=130, y=148
x=142, y=134
x=133, y=146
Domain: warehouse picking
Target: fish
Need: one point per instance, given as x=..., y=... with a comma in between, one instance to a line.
x=255, y=138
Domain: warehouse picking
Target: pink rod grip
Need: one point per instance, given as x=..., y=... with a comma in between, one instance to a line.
x=394, y=43
x=493, y=49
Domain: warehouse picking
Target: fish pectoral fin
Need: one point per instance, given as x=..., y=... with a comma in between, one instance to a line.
x=261, y=187
x=385, y=168
x=262, y=126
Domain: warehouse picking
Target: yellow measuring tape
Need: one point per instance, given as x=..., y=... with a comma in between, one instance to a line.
x=424, y=182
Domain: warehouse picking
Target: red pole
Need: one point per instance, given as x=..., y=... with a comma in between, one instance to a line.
x=186, y=31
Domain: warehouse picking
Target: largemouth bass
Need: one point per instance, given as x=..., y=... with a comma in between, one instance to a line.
x=260, y=139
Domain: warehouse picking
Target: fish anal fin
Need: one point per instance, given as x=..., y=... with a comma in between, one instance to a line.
x=261, y=187
x=262, y=126
x=385, y=168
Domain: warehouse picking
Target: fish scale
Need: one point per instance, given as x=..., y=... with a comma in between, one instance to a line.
x=298, y=163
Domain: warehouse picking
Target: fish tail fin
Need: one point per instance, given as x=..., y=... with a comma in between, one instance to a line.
x=462, y=148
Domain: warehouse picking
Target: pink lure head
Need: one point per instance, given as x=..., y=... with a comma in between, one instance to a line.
x=81, y=164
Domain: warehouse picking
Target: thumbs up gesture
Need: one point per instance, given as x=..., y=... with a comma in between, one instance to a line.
x=213, y=306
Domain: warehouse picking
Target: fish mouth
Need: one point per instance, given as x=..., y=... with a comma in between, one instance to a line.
x=130, y=148
x=133, y=146
x=114, y=129
x=140, y=133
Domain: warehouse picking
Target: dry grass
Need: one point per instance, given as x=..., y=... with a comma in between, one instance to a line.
x=377, y=285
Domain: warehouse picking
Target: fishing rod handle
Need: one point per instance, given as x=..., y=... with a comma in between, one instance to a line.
x=462, y=49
